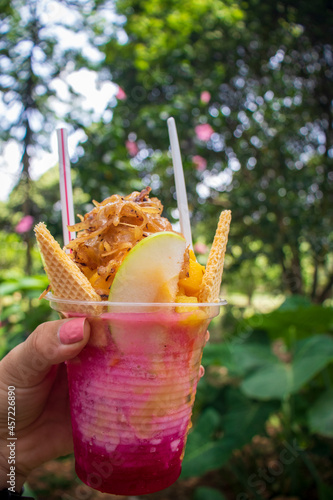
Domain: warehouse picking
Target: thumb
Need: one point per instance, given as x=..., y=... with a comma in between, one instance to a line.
x=50, y=344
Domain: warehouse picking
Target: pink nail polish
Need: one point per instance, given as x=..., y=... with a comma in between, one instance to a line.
x=72, y=331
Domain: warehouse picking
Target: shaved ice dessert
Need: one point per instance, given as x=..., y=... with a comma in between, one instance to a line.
x=149, y=303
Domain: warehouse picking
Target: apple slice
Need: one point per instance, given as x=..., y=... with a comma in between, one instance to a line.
x=150, y=271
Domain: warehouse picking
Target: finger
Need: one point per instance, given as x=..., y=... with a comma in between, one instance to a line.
x=50, y=344
x=201, y=371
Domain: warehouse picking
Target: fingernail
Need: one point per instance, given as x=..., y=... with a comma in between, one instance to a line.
x=72, y=331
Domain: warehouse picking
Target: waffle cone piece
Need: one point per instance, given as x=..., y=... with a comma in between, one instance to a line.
x=66, y=279
x=211, y=282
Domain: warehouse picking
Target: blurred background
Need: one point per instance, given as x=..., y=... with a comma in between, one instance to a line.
x=250, y=85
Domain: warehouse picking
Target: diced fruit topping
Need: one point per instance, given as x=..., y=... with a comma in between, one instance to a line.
x=107, y=233
x=184, y=299
x=191, y=283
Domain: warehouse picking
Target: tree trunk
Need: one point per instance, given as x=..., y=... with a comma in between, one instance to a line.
x=315, y=280
x=292, y=273
x=326, y=293
x=26, y=181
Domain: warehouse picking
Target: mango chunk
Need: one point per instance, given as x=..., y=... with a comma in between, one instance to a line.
x=191, y=284
x=185, y=300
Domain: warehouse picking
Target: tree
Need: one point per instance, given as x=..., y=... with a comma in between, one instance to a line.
x=31, y=60
x=250, y=87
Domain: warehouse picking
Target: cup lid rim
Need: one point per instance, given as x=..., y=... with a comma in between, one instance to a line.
x=105, y=303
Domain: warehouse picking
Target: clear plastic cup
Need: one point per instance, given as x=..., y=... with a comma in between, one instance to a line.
x=132, y=390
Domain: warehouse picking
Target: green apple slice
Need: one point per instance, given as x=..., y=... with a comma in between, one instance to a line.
x=150, y=271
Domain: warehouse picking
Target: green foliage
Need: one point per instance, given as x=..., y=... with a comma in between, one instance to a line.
x=21, y=310
x=32, y=62
x=264, y=381
x=283, y=322
x=239, y=359
x=13, y=252
x=269, y=156
x=220, y=431
x=320, y=415
x=28, y=491
x=45, y=206
x=279, y=380
x=259, y=76
x=266, y=71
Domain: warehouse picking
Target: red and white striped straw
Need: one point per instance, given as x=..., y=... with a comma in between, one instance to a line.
x=65, y=181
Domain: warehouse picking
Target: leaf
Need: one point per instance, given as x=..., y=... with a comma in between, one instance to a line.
x=253, y=355
x=243, y=419
x=203, y=453
x=25, y=283
x=205, y=396
x=294, y=302
x=28, y=491
x=269, y=382
x=311, y=355
x=33, y=282
x=9, y=288
x=294, y=324
x=10, y=310
x=277, y=381
x=239, y=359
x=207, y=424
x=210, y=456
x=220, y=354
x=206, y=493
x=320, y=415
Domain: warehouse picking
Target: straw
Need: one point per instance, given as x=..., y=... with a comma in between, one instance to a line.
x=184, y=217
x=66, y=194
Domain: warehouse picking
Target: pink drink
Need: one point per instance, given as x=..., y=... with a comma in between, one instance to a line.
x=132, y=389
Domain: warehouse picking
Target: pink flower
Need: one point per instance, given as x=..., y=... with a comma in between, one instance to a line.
x=121, y=95
x=199, y=162
x=204, y=132
x=200, y=248
x=205, y=96
x=132, y=148
x=25, y=224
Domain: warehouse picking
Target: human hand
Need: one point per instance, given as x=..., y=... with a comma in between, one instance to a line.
x=36, y=369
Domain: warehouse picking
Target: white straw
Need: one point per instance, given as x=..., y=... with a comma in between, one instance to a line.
x=184, y=216
x=66, y=193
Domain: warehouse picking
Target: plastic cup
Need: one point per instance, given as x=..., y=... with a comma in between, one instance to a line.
x=132, y=390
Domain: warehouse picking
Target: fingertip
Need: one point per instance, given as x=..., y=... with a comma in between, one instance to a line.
x=73, y=331
x=51, y=343
x=73, y=334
